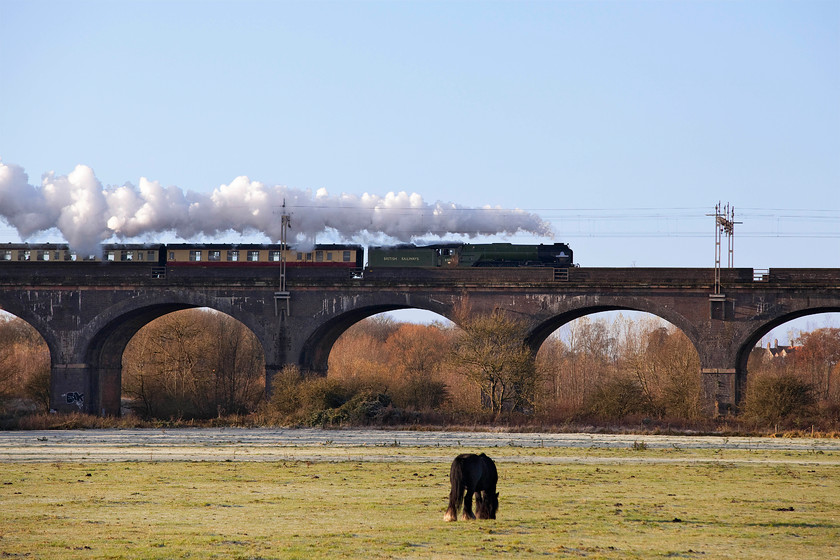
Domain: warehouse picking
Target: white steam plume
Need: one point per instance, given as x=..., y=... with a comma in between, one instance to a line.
x=88, y=213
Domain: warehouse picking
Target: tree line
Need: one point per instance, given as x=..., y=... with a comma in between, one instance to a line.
x=201, y=364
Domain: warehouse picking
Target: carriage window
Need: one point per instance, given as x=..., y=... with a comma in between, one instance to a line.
x=6, y=255
x=274, y=256
x=70, y=255
x=329, y=256
x=299, y=256
x=127, y=255
x=319, y=256
x=346, y=256
x=214, y=256
x=139, y=255
x=24, y=255
x=171, y=255
x=109, y=256
x=150, y=255
x=195, y=256
x=233, y=256
x=253, y=256
x=43, y=256
x=57, y=255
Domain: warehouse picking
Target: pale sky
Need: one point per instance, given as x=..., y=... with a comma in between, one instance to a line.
x=621, y=124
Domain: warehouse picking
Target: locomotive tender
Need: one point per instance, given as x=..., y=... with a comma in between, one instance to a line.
x=441, y=255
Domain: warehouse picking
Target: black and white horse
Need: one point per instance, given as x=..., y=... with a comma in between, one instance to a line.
x=473, y=474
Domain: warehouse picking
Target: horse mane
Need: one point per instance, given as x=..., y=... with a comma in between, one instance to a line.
x=486, y=509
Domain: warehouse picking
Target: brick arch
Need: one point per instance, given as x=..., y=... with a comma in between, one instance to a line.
x=315, y=352
x=761, y=329
x=104, y=341
x=586, y=305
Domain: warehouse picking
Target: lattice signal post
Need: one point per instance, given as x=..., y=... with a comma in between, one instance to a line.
x=724, y=225
x=282, y=294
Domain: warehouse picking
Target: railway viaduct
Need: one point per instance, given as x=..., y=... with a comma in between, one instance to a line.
x=87, y=313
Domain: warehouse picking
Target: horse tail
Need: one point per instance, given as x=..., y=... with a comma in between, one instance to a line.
x=456, y=492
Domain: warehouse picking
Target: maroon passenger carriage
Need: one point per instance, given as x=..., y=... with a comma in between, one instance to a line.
x=188, y=254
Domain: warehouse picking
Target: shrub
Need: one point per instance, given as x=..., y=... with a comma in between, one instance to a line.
x=286, y=391
x=774, y=398
x=420, y=394
x=323, y=393
x=363, y=408
x=618, y=398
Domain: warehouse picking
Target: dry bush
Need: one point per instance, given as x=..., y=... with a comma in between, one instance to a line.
x=618, y=398
x=324, y=401
x=286, y=389
x=420, y=394
x=779, y=398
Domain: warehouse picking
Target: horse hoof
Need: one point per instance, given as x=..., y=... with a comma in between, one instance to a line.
x=449, y=516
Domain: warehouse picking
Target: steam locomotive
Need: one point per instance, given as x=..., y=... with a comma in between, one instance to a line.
x=466, y=255
x=442, y=255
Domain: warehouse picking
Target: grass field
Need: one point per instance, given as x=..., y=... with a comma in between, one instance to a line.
x=619, y=503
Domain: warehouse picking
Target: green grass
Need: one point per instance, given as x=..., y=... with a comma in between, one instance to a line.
x=741, y=505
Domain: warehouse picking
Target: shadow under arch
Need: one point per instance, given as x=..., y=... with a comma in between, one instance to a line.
x=743, y=355
x=314, y=356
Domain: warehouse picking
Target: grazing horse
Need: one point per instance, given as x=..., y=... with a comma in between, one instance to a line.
x=472, y=474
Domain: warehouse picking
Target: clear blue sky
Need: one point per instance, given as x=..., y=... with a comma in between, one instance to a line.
x=620, y=123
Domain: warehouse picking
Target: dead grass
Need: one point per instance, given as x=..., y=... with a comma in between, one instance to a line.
x=730, y=508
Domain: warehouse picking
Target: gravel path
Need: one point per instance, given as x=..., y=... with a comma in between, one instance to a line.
x=235, y=444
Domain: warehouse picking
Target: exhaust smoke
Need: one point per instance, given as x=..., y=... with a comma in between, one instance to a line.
x=86, y=213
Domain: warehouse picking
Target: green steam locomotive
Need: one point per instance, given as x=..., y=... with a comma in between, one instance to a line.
x=466, y=255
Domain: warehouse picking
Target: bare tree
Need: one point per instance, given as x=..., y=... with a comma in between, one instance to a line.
x=818, y=359
x=24, y=364
x=8, y=359
x=490, y=351
x=232, y=370
x=665, y=366
x=578, y=365
x=195, y=363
